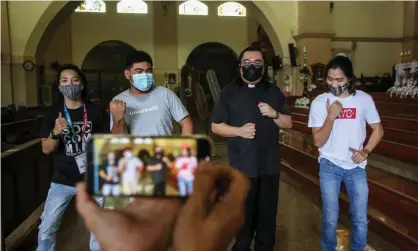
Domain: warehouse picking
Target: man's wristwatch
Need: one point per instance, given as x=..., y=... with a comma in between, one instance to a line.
x=364, y=150
x=276, y=116
x=53, y=136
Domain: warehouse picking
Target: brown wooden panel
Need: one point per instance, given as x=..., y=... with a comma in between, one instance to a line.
x=399, y=136
x=398, y=151
x=26, y=175
x=400, y=123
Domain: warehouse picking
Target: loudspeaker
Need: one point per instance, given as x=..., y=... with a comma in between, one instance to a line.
x=292, y=53
x=277, y=63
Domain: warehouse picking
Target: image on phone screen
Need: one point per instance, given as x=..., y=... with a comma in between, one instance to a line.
x=121, y=166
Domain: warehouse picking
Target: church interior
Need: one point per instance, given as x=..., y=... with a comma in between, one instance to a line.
x=194, y=45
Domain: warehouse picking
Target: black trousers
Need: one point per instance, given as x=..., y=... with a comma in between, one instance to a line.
x=159, y=189
x=260, y=215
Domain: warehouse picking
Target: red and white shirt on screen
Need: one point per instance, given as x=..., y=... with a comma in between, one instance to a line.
x=349, y=129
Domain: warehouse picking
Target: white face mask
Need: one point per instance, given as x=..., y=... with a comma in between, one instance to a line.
x=127, y=155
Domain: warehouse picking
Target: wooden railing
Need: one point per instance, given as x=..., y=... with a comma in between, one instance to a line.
x=25, y=179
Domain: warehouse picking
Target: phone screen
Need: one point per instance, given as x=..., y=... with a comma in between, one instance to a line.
x=120, y=166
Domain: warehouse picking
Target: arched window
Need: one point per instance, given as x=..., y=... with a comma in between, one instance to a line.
x=92, y=6
x=232, y=9
x=193, y=7
x=132, y=6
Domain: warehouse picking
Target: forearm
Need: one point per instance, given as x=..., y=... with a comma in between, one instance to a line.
x=284, y=121
x=375, y=137
x=119, y=127
x=186, y=126
x=321, y=136
x=49, y=145
x=225, y=130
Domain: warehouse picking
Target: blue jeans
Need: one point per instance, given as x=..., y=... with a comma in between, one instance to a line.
x=185, y=186
x=59, y=196
x=355, y=180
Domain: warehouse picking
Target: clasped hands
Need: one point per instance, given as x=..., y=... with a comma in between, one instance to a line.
x=204, y=223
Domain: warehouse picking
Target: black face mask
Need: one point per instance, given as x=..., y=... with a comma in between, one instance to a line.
x=252, y=73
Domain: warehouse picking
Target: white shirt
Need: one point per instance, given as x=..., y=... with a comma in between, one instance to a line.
x=186, y=166
x=349, y=129
x=131, y=166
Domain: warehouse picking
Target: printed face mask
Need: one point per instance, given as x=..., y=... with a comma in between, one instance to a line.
x=336, y=91
x=127, y=155
x=72, y=92
x=143, y=81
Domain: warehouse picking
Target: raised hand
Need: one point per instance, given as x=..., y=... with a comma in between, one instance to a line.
x=267, y=110
x=334, y=109
x=247, y=131
x=117, y=109
x=358, y=156
x=60, y=124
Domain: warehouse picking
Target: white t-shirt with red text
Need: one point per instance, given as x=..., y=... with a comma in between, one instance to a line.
x=349, y=129
x=186, y=167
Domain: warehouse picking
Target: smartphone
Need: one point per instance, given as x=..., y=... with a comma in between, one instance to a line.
x=126, y=166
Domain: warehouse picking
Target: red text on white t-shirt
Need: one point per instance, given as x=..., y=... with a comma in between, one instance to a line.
x=347, y=113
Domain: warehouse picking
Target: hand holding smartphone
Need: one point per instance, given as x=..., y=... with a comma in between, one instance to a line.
x=120, y=166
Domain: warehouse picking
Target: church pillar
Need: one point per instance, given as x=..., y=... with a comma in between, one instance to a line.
x=410, y=28
x=6, y=69
x=165, y=40
x=315, y=29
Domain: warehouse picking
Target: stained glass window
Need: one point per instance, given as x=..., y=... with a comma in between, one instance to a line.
x=193, y=7
x=232, y=9
x=92, y=6
x=132, y=6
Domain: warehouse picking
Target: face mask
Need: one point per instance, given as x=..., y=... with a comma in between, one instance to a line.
x=72, y=92
x=127, y=155
x=339, y=89
x=143, y=81
x=252, y=73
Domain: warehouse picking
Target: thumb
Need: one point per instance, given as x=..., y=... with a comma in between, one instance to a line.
x=352, y=149
x=328, y=103
x=59, y=115
x=86, y=207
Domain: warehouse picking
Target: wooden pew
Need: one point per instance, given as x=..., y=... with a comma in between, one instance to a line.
x=398, y=142
x=25, y=179
x=393, y=201
x=20, y=132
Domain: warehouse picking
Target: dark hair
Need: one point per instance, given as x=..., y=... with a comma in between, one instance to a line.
x=344, y=64
x=137, y=57
x=83, y=78
x=266, y=79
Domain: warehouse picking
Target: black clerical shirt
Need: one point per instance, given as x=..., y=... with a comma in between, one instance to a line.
x=238, y=105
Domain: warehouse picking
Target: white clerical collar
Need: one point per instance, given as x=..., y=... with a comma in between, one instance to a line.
x=251, y=86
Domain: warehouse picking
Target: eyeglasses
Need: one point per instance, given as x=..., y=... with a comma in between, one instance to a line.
x=247, y=63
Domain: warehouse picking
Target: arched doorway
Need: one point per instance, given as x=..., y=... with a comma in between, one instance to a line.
x=197, y=94
x=104, y=65
x=216, y=56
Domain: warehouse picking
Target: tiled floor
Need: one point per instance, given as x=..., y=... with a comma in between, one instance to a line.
x=298, y=221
